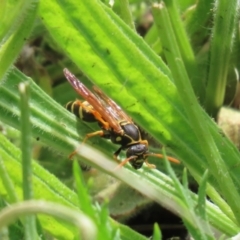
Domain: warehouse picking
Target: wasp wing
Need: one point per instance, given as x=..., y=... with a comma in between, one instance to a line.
x=98, y=104
x=121, y=115
x=151, y=140
x=112, y=106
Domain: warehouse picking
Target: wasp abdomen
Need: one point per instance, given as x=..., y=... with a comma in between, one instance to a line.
x=82, y=110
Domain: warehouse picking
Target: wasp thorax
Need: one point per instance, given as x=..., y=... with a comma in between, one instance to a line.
x=131, y=130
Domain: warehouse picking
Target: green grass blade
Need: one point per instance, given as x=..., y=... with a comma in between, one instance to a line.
x=83, y=196
x=26, y=141
x=156, y=232
x=202, y=195
x=185, y=49
x=87, y=229
x=153, y=40
x=197, y=22
x=17, y=26
x=7, y=182
x=30, y=221
x=126, y=13
x=220, y=51
x=198, y=227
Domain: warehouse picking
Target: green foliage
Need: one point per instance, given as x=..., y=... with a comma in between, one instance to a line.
x=161, y=99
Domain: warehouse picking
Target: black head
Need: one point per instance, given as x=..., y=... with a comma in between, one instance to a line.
x=138, y=150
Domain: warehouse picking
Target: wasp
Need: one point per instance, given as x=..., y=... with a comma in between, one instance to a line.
x=115, y=124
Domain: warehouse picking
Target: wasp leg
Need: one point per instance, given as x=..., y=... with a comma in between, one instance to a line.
x=124, y=162
x=89, y=135
x=96, y=115
x=146, y=161
x=149, y=164
x=115, y=155
x=89, y=109
x=99, y=118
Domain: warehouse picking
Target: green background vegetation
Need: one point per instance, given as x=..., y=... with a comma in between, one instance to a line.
x=163, y=80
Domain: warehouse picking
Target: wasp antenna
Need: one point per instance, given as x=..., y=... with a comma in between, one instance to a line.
x=124, y=162
x=171, y=159
x=65, y=70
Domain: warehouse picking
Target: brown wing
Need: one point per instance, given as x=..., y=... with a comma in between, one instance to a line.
x=123, y=116
x=100, y=106
x=113, y=107
x=151, y=140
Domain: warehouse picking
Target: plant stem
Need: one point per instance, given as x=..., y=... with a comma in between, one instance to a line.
x=185, y=50
x=30, y=225
x=126, y=13
x=220, y=51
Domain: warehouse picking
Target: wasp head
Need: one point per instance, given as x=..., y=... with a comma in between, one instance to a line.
x=139, y=151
